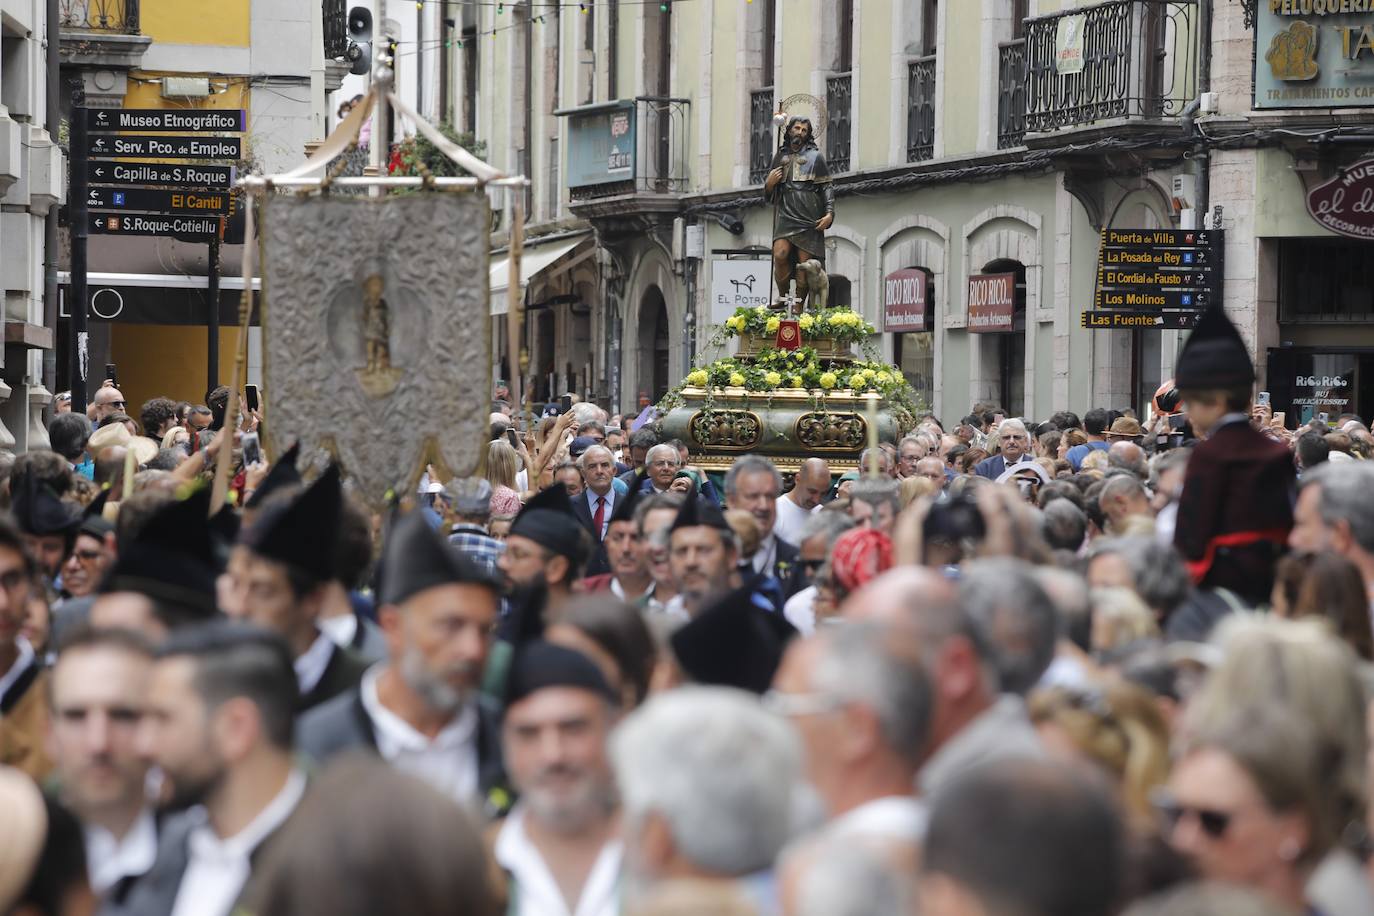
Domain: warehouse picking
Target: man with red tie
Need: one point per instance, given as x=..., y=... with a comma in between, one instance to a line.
x=597, y=503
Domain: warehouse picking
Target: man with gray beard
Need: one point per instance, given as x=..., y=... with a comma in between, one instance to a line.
x=561, y=845
x=420, y=709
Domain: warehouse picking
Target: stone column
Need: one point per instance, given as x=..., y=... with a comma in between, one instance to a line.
x=38, y=401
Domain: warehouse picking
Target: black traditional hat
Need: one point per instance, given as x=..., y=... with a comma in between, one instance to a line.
x=39, y=511
x=548, y=520
x=625, y=507
x=416, y=557
x=699, y=512
x=733, y=643
x=172, y=559
x=1214, y=356
x=303, y=533
x=93, y=521
x=280, y=475
x=539, y=665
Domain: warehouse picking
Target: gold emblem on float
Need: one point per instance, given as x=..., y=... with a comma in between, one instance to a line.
x=1292, y=55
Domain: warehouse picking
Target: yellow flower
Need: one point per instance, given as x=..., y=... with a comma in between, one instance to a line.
x=827, y=380
x=773, y=379
x=733, y=322
x=884, y=377
x=772, y=326
x=797, y=381
x=761, y=309
x=856, y=381
x=698, y=378
x=869, y=374
x=806, y=321
x=736, y=379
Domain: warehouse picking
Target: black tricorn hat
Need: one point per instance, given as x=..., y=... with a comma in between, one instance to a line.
x=1214, y=356
x=280, y=475
x=625, y=507
x=539, y=665
x=303, y=533
x=733, y=643
x=172, y=559
x=699, y=511
x=39, y=511
x=548, y=520
x=416, y=557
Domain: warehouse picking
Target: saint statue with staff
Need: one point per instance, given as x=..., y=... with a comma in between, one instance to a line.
x=803, y=197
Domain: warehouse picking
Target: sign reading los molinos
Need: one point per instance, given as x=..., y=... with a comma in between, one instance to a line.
x=1314, y=54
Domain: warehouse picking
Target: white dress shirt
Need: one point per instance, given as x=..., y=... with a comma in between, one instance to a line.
x=800, y=610
x=448, y=762
x=766, y=556
x=901, y=818
x=534, y=892
x=109, y=861
x=218, y=868
x=310, y=666
x=606, y=515
x=21, y=664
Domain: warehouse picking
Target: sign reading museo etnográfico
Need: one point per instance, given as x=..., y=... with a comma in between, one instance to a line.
x=1314, y=53
x=164, y=120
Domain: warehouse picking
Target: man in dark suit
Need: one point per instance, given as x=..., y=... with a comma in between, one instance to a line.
x=754, y=485
x=280, y=573
x=1236, y=509
x=420, y=710
x=1014, y=441
x=597, y=503
x=221, y=702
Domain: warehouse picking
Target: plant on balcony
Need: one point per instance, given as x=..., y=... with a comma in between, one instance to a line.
x=844, y=325
x=416, y=156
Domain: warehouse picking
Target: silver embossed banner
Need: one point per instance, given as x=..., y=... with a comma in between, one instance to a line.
x=376, y=333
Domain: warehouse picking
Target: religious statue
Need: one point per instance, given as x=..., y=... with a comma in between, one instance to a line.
x=799, y=187
x=379, y=377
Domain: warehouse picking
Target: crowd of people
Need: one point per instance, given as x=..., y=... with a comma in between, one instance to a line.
x=1001, y=668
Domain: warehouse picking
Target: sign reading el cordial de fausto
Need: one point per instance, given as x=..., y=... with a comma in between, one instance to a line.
x=1314, y=54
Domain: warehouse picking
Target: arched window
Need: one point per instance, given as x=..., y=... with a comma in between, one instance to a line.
x=840, y=292
x=1011, y=344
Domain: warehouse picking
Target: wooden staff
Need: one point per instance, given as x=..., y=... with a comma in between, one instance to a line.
x=224, y=459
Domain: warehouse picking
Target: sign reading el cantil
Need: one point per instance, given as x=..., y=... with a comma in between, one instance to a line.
x=160, y=201
x=158, y=120
x=1314, y=53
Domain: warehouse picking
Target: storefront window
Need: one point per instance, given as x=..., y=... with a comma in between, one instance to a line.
x=1011, y=346
x=908, y=308
x=1304, y=383
x=1325, y=280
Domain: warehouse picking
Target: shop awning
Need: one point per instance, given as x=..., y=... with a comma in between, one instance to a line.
x=535, y=259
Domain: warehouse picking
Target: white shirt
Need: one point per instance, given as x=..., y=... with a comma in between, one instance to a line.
x=791, y=520
x=21, y=664
x=800, y=610
x=766, y=556
x=341, y=629
x=606, y=515
x=901, y=818
x=675, y=610
x=312, y=662
x=218, y=868
x=448, y=763
x=109, y=861
x=534, y=891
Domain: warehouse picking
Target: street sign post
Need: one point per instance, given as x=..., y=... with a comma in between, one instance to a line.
x=165, y=147
x=186, y=228
x=155, y=173
x=1153, y=320
x=158, y=120
x=1155, y=279
x=159, y=201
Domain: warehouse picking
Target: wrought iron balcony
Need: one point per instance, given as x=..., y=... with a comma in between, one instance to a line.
x=838, y=96
x=920, y=109
x=335, y=29
x=1139, y=59
x=117, y=16
x=627, y=147
x=761, y=135
x=1011, y=94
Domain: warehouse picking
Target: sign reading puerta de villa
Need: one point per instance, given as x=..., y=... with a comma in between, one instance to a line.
x=1314, y=53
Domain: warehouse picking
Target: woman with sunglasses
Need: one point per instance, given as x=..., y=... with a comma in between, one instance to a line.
x=1248, y=805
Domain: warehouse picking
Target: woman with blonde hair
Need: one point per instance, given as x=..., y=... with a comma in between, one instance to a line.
x=1120, y=619
x=1117, y=726
x=914, y=488
x=500, y=473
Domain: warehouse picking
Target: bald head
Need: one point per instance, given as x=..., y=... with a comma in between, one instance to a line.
x=812, y=482
x=1128, y=455
x=899, y=596
x=106, y=402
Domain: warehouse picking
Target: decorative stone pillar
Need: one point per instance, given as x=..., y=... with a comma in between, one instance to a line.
x=38, y=401
x=7, y=441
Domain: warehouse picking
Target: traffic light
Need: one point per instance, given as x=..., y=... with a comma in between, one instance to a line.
x=360, y=40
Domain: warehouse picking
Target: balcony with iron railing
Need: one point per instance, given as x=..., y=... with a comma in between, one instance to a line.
x=1120, y=61
x=117, y=16
x=761, y=134
x=920, y=109
x=838, y=99
x=627, y=155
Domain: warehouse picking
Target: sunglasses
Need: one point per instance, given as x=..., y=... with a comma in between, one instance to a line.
x=1213, y=823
